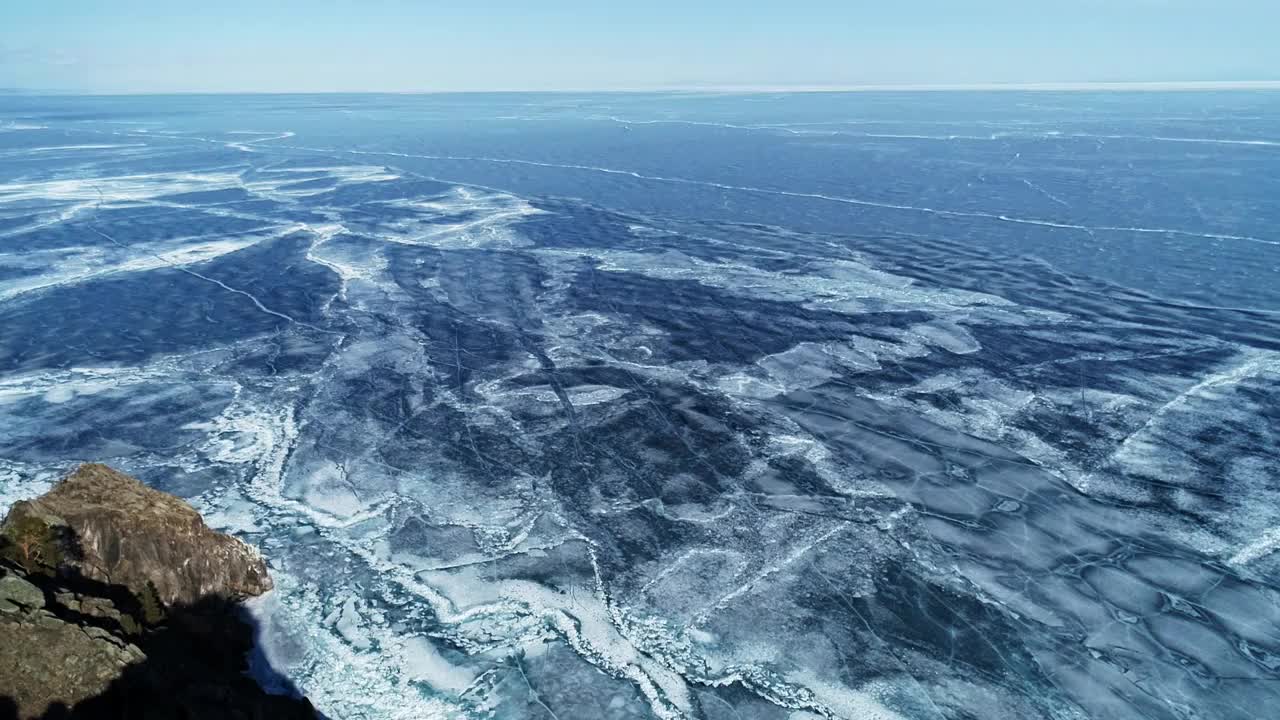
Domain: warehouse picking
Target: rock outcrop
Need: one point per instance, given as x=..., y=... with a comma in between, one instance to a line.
x=45, y=660
x=116, y=600
x=115, y=530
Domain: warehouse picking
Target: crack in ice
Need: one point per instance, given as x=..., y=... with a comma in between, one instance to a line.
x=942, y=212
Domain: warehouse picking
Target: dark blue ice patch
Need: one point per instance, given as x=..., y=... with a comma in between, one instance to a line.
x=205, y=197
x=136, y=225
x=134, y=317
x=567, y=224
x=105, y=424
x=700, y=322
x=478, y=311
x=320, y=183
x=357, y=193
x=12, y=273
x=12, y=223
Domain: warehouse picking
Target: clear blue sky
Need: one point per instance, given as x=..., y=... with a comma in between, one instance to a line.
x=321, y=45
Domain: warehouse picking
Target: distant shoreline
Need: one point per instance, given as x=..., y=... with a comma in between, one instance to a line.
x=1160, y=86
x=1023, y=87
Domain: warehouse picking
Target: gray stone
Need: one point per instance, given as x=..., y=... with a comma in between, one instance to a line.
x=98, y=633
x=132, y=653
x=17, y=591
x=100, y=607
x=48, y=661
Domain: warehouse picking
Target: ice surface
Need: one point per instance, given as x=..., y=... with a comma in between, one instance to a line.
x=767, y=408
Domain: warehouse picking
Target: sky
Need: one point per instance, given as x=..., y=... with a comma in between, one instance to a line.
x=149, y=46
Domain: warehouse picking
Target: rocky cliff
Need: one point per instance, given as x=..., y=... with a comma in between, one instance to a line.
x=116, y=600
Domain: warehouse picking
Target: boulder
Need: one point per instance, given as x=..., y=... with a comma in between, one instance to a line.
x=16, y=593
x=117, y=601
x=110, y=528
x=50, y=662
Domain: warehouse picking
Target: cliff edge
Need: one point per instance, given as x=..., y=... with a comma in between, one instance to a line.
x=116, y=600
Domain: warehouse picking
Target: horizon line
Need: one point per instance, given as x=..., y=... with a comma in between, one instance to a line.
x=1081, y=86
